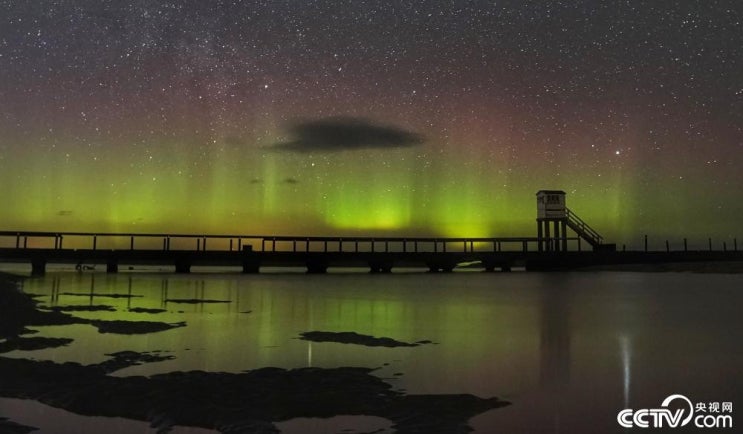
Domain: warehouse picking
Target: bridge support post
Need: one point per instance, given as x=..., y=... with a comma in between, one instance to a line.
x=250, y=262
x=251, y=267
x=182, y=265
x=445, y=267
x=38, y=266
x=564, y=224
x=316, y=267
x=380, y=267
x=555, y=236
x=552, y=234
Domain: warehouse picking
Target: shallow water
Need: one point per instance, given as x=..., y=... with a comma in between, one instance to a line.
x=569, y=350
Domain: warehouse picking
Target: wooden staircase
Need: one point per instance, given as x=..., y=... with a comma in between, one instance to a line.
x=583, y=230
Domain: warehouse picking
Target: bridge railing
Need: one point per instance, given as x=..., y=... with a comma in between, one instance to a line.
x=584, y=228
x=394, y=244
x=262, y=243
x=124, y=241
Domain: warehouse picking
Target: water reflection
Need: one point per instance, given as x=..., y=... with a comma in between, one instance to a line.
x=626, y=352
x=64, y=289
x=554, y=348
x=570, y=350
x=554, y=339
x=75, y=288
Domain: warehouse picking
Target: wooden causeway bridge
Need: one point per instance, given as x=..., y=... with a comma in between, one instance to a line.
x=251, y=252
x=180, y=252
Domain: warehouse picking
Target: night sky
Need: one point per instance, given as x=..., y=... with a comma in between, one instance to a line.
x=369, y=117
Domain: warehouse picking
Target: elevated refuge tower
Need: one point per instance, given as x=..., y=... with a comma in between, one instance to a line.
x=553, y=219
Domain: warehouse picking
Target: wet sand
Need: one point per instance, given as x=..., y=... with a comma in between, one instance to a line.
x=82, y=308
x=358, y=339
x=146, y=310
x=30, y=344
x=9, y=427
x=194, y=301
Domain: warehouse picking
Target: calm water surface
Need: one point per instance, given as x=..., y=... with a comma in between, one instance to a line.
x=569, y=350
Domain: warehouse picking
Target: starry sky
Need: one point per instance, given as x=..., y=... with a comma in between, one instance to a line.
x=318, y=117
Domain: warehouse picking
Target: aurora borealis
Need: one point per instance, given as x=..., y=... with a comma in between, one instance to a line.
x=145, y=116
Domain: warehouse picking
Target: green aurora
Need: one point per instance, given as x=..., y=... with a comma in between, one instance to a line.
x=364, y=192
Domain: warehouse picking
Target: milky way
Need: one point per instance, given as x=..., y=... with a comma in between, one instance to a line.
x=198, y=116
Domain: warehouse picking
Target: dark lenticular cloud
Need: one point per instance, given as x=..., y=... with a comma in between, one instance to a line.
x=344, y=134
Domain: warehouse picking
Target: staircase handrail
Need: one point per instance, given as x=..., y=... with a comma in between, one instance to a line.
x=584, y=226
